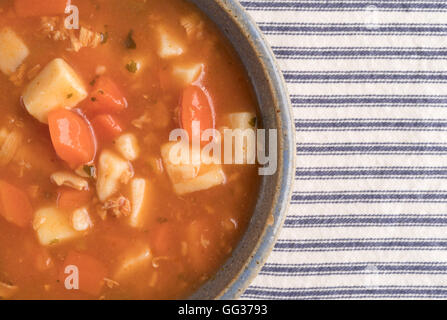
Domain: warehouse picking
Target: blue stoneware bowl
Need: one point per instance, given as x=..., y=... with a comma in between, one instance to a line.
x=274, y=103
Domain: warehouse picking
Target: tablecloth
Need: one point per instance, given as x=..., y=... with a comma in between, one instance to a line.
x=368, y=84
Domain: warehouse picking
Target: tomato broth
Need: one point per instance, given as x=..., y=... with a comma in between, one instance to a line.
x=90, y=206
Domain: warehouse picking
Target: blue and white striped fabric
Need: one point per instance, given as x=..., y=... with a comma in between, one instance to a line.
x=368, y=83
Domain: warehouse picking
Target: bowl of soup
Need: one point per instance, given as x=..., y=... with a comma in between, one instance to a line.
x=146, y=149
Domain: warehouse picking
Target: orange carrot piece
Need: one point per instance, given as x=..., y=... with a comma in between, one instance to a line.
x=106, y=127
x=106, y=97
x=196, y=106
x=15, y=206
x=72, y=137
x=91, y=272
x=36, y=8
x=68, y=198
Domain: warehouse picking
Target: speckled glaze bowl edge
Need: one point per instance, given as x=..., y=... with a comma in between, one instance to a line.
x=245, y=35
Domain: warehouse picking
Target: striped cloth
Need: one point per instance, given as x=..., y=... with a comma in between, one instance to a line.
x=368, y=83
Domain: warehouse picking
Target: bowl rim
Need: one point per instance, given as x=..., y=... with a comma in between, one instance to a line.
x=286, y=154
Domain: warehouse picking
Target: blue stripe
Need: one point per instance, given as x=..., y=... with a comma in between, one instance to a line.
x=360, y=245
x=370, y=196
x=365, y=77
x=360, y=53
x=372, y=148
x=326, y=29
x=293, y=270
x=319, y=173
x=365, y=220
x=325, y=5
x=371, y=124
x=322, y=101
x=256, y=292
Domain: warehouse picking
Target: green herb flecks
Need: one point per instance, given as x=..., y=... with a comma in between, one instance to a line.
x=90, y=170
x=132, y=67
x=130, y=42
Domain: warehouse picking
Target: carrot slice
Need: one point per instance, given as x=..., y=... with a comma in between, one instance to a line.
x=36, y=8
x=91, y=272
x=68, y=198
x=107, y=127
x=106, y=97
x=72, y=137
x=15, y=206
x=196, y=106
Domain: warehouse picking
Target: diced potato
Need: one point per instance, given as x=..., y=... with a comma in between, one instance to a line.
x=9, y=144
x=112, y=171
x=133, y=262
x=193, y=25
x=12, y=51
x=242, y=120
x=53, y=226
x=57, y=85
x=205, y=181
x=81, y=220
x=68, y=179
x=140, y=198
x=169, y=46
x=188, y=178
x=178, y=172
x=188, y=74
x=127, y=145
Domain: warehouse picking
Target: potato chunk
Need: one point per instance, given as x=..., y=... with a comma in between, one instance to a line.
x=68, y=179
x=187, y=74
x=189, y=177
x=243, y=150
x=204, y=181
x=127, y=145
x=140, y=198
x=10, y=142
x=178, y=172
x=57, y=85
x=81, y=220
x=112, y=171
x=53, y=226
x=12, y=51
x=169, y=46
